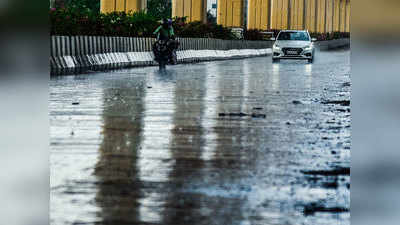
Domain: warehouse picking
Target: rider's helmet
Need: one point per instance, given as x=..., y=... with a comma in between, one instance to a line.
x=167, y=23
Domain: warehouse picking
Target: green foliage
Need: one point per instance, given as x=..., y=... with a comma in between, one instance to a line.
x=204, y=30
x=84, y=21
x=252, y=34
x=330, y=36
x=159, y=9
x=67, y=21
x=79, y=5
x=71, y=21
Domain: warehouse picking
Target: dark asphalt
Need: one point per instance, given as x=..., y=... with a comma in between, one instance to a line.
x=228, y=142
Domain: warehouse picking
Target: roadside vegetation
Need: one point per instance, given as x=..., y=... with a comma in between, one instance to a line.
x=75, y=19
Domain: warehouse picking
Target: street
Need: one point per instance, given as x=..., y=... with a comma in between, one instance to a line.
x=246, y=142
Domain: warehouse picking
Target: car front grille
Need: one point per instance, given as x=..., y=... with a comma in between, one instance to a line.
x=292, y=51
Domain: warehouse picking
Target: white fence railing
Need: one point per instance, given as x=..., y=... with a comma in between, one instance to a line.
x=74, y=54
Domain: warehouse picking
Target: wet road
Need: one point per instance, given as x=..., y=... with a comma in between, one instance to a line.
x=228, y=142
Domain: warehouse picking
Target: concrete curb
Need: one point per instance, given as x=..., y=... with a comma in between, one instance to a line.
x=333, y=44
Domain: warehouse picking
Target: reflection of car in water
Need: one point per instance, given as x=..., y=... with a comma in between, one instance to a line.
x=293, y=44
x=165, y=52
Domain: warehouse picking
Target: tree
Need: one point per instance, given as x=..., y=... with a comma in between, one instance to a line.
x=159, y=8
x=93, y=5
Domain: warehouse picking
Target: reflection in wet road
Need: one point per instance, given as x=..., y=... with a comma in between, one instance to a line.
x=182, y=147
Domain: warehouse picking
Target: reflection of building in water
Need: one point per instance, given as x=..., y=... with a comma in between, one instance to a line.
x=116, y=169
x=186, y=146
x=210, y=113
x=275, y=78
x=155, y=159
x=235, y=140
x=228, y=129
x=237, y=136
x=308, y=74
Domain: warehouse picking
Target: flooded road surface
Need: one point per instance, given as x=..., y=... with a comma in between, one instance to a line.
x=241, y=142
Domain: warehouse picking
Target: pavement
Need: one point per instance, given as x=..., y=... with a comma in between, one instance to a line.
x=228, y=142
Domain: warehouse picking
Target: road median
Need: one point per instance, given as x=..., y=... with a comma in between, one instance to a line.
x=79, y=54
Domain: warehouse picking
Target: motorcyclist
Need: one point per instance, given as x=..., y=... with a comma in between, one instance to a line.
x=165, y=32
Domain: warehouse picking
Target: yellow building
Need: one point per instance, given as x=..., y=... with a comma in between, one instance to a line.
x=279, y=17
x=336, y=15
x=321, y=4
x=230, y=13
x=296, y=14
x=347, y=29
x=322, y=16
x=342, y=15
x=122, y=5
x=258, y=14
x=194, y=10
x=329, y=16
x=310, y=15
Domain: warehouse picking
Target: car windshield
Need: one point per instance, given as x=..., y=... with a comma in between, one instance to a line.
x=293, y=36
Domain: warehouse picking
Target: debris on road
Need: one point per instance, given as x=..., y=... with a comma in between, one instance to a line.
x=346, y=84
x=233, y=114
x=296, y=102
x=343, y=110
x=253, y=115
x=335, y=172
x=312, y=208
x=338, y=102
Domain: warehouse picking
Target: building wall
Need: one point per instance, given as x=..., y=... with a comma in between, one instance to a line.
x=296, y=14
x=230, y=13
x=280, y=9
x=329, y=16
x=258, y=15
x=194, y=10
x=321, y=4
x=347, y=16
x=336, y=15
x=310, y=15
x=314, y=15
x=342, y=15
x=122, y=5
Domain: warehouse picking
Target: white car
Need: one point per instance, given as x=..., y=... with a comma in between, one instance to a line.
x=293, y=44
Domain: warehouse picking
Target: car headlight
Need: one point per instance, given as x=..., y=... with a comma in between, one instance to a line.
x=308, y=48
x=275, y=46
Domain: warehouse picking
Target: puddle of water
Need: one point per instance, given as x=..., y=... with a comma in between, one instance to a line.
x=162, y=154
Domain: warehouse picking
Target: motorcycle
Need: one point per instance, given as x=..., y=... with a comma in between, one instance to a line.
x=165, y=52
